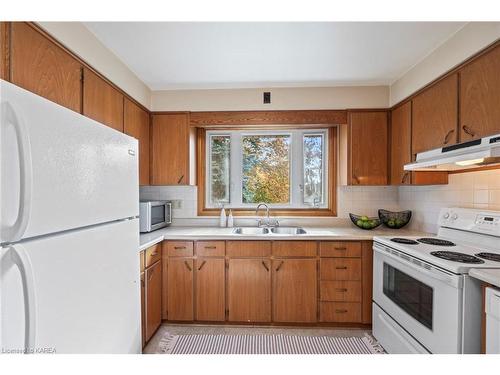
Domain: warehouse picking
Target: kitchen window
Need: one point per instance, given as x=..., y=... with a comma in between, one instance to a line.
x=287, y=169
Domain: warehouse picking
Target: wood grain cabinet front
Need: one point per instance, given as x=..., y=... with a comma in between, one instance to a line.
x=180, y=289
x=249, y=290
x=42, y=67
x=153, y=281
x=295, y=290
x=136, y=124
x=210, y=289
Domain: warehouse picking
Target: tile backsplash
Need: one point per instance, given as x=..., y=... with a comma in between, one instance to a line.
x=473, y=189
x=480, y=189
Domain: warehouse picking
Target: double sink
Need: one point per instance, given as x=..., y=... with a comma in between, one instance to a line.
x=269, y=231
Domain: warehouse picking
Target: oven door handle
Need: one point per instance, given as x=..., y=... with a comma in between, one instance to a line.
x=418, y=264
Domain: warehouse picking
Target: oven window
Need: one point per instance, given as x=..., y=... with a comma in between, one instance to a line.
x=157, y=214
x=410, y=294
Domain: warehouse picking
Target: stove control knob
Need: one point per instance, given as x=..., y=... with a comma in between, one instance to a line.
x=446, y=215
x=454, y=217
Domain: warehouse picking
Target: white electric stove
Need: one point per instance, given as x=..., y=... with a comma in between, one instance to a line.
x=423, y=299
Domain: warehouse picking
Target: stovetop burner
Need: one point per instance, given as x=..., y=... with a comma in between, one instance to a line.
x=405, y=241
x=457, y=257
x=489, y=256
x=435, y=241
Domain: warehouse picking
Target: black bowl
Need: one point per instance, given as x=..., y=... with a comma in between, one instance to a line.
x=369, y=224
x=394, y=220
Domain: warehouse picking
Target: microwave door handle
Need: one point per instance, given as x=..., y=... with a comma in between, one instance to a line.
x=16, y=231
x=22, y=261
x=432, y=272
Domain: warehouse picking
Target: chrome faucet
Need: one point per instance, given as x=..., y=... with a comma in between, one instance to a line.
x=268, y=223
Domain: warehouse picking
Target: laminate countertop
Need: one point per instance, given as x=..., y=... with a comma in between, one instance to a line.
x=490, y=276
x=344, y=233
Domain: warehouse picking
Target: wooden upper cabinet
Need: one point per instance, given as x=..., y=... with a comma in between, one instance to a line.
x=249, y=290
x=4, y=50
x=368, y=148
x=170, y=149
x=480, y=97
x=400, y=144
x=295, y=290
x=40, y=66
x=101, y=101
x=435, y=112
x=136, y=124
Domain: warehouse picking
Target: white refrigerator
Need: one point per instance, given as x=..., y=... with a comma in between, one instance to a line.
x=69, y=233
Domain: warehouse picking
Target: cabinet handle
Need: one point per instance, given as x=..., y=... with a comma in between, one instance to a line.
x=405, y=176
x=279, y=266
x=155, y=253
x=468, y=130
x=180, y=179
x=187, y=265
x=201, y=265
x=338, y=311
x=355, y=178
x=341, y=268
x=340, y=248
x=142, y=282
x=150, y=273
x=179, y=247
x=447, y=136
x=265, y=266
x=341, y=289
x=210, y=247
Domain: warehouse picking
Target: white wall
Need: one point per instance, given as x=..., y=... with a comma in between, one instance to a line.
x=282, y=99
x=466, y=42
x=76, y=37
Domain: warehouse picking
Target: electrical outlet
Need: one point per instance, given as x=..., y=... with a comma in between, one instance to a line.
x=267, y=97
x=176, y=204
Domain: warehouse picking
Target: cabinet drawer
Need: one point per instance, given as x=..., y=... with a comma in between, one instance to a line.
x=295, y=248
x=179, y=248
x=340, y=312
x=153, y=254
x=340, y=269
x=248, y=248
x=340, y=291
x=210, y=248
x=340, y=249
x=141, y=260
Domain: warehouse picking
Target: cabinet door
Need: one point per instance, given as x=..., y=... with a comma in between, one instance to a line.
x=101, y=101
x=153, y=299
x=143, y=309
x=42, y=67
x=210, y=289
x=170, y=145
x=400, y=144
x=368, y=148
x=249, y=290
x=4, y=50
x=435, y=116
x=136, y=124
x=180, y=289
x=295, y=290
x=480, y=97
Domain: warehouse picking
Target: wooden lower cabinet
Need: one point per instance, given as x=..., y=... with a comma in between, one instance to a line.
x=340, y=312
x=153, y=283
x=249, y=290
x=295, y=290
x=180, y=289
x=210, y=289
x=143, y=310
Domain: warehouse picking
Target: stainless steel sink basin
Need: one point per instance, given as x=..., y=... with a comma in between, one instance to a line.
x=250, y=230
x=288, y=230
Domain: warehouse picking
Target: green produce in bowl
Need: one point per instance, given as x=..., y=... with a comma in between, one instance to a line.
x=367, y=225
x=359, y=223
x=364, y=218
x=391, y=223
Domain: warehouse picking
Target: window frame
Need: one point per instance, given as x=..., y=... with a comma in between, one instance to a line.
x=328, y=208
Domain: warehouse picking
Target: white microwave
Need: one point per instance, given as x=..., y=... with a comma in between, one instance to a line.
x=154, y=215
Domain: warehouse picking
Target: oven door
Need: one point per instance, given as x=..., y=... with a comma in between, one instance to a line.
x=425, y=301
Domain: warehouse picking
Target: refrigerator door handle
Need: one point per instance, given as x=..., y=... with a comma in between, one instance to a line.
x=21, y=260
x=15, y=232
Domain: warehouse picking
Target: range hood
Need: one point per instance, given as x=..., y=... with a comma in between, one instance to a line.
x=472, y=154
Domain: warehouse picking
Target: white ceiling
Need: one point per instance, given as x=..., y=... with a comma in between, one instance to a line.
x=188, y=55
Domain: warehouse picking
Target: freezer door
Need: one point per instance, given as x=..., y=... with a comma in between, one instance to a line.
x=74, y=292
x=60, y=170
